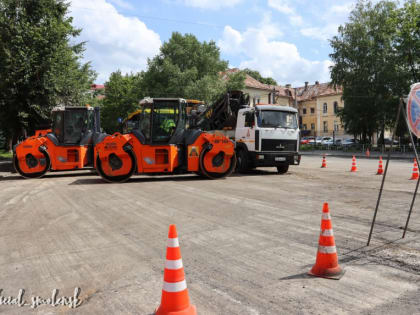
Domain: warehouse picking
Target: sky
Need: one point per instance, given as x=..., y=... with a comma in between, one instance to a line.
x=283, y=39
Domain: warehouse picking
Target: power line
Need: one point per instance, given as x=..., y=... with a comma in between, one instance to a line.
x=166, y=19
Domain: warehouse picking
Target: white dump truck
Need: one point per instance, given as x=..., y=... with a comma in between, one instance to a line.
x=264, y=135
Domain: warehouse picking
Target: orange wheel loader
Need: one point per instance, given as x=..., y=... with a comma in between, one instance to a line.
x=157, y=140
x=69, y=145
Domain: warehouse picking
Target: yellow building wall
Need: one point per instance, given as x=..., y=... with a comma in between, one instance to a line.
x=257, y=94
x=318, y=118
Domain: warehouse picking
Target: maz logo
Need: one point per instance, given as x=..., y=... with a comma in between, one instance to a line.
x=280, y=147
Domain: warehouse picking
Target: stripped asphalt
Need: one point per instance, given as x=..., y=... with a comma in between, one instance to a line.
x=247, y=241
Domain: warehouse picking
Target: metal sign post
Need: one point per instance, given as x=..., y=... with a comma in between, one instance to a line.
x=413, y=126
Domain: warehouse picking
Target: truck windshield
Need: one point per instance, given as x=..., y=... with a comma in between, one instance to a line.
x=277, y=119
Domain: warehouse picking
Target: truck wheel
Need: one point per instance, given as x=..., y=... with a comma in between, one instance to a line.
x=282, y=169
x=242, y=161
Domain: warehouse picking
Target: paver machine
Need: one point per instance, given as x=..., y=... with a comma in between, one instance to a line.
x=156, y=140
x=68, y=145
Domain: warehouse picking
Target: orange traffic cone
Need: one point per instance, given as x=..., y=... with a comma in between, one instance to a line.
x=415, y=174
x=326, y=265
x=353, y=165
x=175, y=300
x=380, y=169
x=367, y=152
x=324, y=162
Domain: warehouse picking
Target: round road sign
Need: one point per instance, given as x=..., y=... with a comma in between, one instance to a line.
x=413, y=109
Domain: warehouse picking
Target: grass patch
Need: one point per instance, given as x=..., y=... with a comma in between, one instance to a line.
x=5, y=155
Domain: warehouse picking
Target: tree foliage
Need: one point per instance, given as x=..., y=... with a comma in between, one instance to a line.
x=376, y=59
x=40, y=64
x=257, y=76
x=188, y=68
x=122, y=94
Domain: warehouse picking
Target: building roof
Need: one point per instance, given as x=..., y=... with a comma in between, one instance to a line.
x=97, y=86
x=309, y=92
x=304, y=93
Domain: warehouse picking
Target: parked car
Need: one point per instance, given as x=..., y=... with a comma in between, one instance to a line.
x=304, y=140
x=318, y=140
x=349, y=142
x=324, y=140
x=388, y=141
x=332, y=141
x=311, y=140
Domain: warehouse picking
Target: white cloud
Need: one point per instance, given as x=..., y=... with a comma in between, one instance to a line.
x=285, y=7
x=331, y=19
x=122, y=4
x=114, y=41
x=272, y=57
x=211, y=4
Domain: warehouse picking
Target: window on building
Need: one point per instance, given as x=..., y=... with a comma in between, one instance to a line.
x=336, y=126
x=313, y=126
x=325, y=108
x=304, y=126
x=304, y=111
x=325, y=126
x=335, y=108
x=312, y=110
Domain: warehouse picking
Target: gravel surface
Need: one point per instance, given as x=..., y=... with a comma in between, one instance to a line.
x=247, y=241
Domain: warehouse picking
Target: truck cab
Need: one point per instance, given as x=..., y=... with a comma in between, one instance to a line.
x=267, y=135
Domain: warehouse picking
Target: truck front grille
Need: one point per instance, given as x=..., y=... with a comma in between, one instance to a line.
x=278, y=145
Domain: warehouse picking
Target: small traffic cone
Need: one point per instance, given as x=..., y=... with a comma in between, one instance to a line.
x=353, y=165
x=326, y=265
x=175, y=300
x=415, y=174
x=367, y=152
x=324, y=162
x=380, y=168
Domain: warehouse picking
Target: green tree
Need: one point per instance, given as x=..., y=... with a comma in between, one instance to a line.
x=183, y=67
x=122, y=94
x=368, y=63
x=257, y=76
x=40, y=63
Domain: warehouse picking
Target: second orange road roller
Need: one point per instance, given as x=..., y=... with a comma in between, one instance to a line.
x=157, y=140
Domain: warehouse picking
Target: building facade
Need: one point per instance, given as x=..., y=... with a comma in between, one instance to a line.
x=317, y=104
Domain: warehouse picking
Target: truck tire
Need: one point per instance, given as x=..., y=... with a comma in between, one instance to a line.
x=242, y=161
x=282, y=169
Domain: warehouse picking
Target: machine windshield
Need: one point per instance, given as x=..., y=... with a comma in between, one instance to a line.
x=165, y=120
x=277, y=119
x=69, y=125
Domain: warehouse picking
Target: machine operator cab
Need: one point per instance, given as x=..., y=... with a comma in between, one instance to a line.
x=73, y=125
x=158, y=121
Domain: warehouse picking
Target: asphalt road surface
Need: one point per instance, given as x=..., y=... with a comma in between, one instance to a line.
x=247, y=241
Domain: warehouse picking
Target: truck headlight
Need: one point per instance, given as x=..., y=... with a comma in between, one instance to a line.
x=260, y=157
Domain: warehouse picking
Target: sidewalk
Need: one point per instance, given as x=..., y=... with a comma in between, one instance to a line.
x=359, y=155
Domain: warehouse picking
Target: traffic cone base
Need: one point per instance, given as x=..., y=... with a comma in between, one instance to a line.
x=190, y=310
x=330, y=273
x=175, y=300
x=326, y=264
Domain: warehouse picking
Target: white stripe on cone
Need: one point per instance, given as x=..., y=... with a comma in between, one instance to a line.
x=173, y=264
x=327, y=249
x=174, y=286
x=327, y=232
x=173, y=242
x=326, y=216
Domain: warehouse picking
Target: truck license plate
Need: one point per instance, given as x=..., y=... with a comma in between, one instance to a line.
x=279, y=159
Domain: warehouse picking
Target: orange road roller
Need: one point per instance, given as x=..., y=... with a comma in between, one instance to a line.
x=68, y=145
x=156, y=140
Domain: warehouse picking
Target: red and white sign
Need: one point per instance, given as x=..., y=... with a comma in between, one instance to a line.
x=413, y=109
